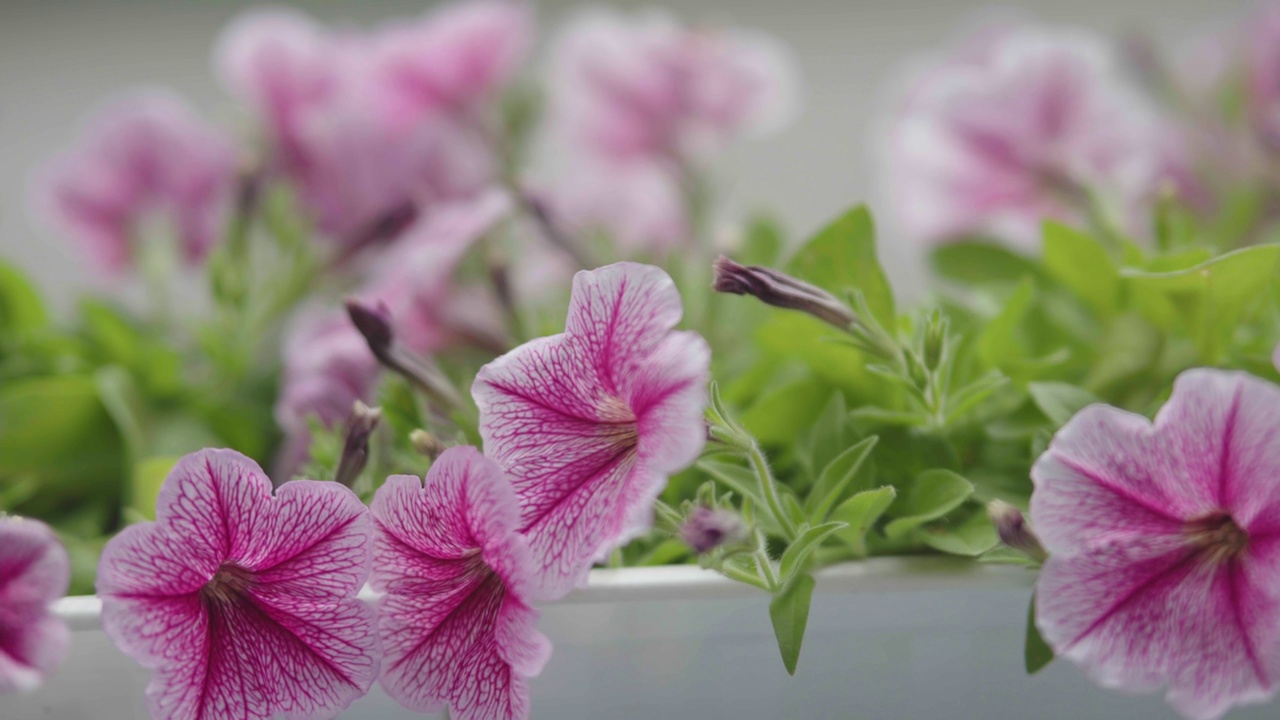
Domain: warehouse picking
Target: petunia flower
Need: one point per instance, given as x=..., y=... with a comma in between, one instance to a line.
x=1262, y=66
x=244, y=603
x=646, y=86
x=1164, y=544
x=590, y=423
x=457, y=58
x=456, y=620
x=339, y=126
x=34, y=571
x=146, y=162
x=1032, y=123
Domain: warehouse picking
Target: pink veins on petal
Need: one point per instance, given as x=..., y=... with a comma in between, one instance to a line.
x=456, y=621
x=242, y=602
x=34, y=571
x=1164, y=543
x=590, y=423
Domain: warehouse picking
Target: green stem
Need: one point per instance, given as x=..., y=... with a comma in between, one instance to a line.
x=768, y=574
x=769, y=490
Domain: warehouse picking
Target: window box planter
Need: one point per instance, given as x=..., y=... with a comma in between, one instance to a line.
x=924, y=637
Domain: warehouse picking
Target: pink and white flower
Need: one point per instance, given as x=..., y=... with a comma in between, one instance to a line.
x=590, y=423
x=997, y=138
x=34, y=571
x=456, y=620
x=367, y=124
x=646, y=86
x=1164, y=543
x=146, y=161
x=243, y=602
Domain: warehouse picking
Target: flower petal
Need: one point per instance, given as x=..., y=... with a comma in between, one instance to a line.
x=590, y=423
x=1171, y=619
x=300, y=659
x=30, y=651
x=210, y=505
x=34, y=571
x=313, y=543
x=454, y=626
x=1247, y=411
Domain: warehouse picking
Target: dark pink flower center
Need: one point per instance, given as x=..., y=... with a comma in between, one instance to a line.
x=1217, y=536
x=229, y=583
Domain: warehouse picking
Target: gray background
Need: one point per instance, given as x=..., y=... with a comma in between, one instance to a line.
x=61, y=59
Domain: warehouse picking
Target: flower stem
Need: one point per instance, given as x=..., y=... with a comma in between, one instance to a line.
x=769, y=490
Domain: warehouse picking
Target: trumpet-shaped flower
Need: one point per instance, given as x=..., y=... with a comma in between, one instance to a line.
x=456, y=620
x=590, y=423
x=146, y=161
x=244, y=603
x=1031, y=124
x=1164, y=543
x=648, y=87
x=34, y=571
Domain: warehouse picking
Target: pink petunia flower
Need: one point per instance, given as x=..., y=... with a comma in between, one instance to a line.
x=998, y=137
x=34, y=571
x=338, y=119
x=456, y=620
x=145, y=161
x=244, y=603
x=456, y=58
x=646, y=86
x=1164, y=543
x=590, y=423
x=1262, y=65
x=639, y=204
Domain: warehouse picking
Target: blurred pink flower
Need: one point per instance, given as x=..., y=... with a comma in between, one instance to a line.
x=144, y=162
x=646, y=86
x=346, y=114
x=244, y=602
x=456, y=58
x=1262, y=63
x=1023, y=127
x=328, y=364
x=34, y=572
x=638, y=204
x=1164, y=543
x=456, y=619
x=590, y=423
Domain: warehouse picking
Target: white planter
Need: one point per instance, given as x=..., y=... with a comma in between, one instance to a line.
x=893, y=639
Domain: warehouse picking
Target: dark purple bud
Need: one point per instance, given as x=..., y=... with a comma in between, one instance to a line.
x=355, y=446
x=1014, y=531
x=374, y=323
x=776, y=288
x=709, y=528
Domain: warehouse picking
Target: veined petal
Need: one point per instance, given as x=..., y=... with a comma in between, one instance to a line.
x=669, y=396
x=34, y=571
x=30, y=651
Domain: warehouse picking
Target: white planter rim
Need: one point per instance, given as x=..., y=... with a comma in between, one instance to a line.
x=690, y=582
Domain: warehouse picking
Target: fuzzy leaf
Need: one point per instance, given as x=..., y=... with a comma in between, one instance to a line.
x=798, y=552
x=933, y=494
x=1081, y=263
x=1037, y=652
x=1060, y=401
x=860, y=513
x=841, y=257
x=789, y=611
x=836, y=477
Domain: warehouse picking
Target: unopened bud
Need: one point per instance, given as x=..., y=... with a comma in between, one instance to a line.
x=935, y=340
x=355, y=445
x=776, y=288
x=1014, y=531
x=708, y=528
x=374, y=323
x=427, y=444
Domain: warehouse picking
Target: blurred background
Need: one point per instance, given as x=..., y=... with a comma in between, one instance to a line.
x=62, y=59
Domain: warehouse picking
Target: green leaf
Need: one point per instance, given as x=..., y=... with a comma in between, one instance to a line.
x=119, y=395
x=1059, y=401
x=842, y=256
x=933, y=494
x=764, y=242
x=742, y=481
x=1037, y=652
x=779, y=414
x=999, y=342
x=829, y=436
x=144, y=487
x=797, y=554
x=970, y=538
x=1081, y=263
x=980, y=263
x=789, y=611
x=21, y=309
x=836, y=477
x=1210, y=297
x=860, y=513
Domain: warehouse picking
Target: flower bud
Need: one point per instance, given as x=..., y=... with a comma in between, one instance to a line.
x=935, y=340
x=355, y=446
x=1014, y=531
x=776, y=288
x=374, y=323
x=706, y=529
x=427, y=444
